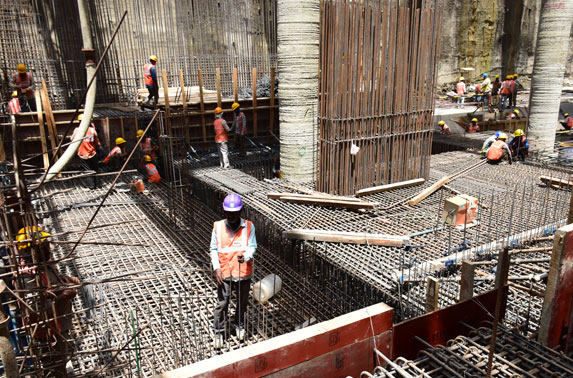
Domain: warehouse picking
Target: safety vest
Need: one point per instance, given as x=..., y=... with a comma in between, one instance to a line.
x=230, y=247
x=220, y=132
x=147, y=74
x=241, y=121
x=486, y=85
x=25, y=82
x=506, y=87
x=147, y=148
x=445, y=129
x=116, y=150
x=14, y=106
x=87, y=148
x=152, y=174
x=474, y=128
x=569, y=122
x=510, y=116
x=461, y=88
x=495, y=152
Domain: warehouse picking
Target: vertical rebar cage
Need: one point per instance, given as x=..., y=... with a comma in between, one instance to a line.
x=378, y=62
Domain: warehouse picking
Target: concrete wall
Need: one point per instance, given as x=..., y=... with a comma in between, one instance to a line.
x=495, y=36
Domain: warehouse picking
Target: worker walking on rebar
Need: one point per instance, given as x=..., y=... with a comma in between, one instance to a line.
x=150, y=75
x=240, y=127
x=24, y=86
x=221, y=138
x=48, y=292
x=116, y=156
x=473, y=127
x=444, y=129
x=495, y=87
x=496, y=151
x=506, y=91
x=147, y=147
x=90, y=151
x=151, y=170
x=567, y=122
x=233, y=245
x=519, y=145
x=486, y=88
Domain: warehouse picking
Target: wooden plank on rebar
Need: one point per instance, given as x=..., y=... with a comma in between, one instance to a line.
x=165, y=91
x=387, y=187
x=428, y=191
x=52, y=131
x=467, y=280
x=346, y=237
x=432, y=294
x=328, y=202
x=254, y=88
x=202, y=104
x=45, y=155
x=315, y=195
x=235, y=186
x=547, y=180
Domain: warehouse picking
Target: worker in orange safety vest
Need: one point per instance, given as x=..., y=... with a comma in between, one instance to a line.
x=507, y=88
x=24, y=86
x=221, y=137
x=90, y=150
x=151, y=170
x=233, y=245
x=115, y=157
x=445, y=129
x=497, y=150
x=567, y=123
x=150, y=77
x=474, y=127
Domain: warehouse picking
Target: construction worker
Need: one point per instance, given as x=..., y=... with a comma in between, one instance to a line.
x=486, y=88
x=116, y=156
x=567, y=123
x=506, y=91
x=474, y=127
x=495, y=87
x=150, y=75
x=513, y=99
x=240, y=127
x=221, y=137
x=489, y=141
x=14, y=104
x=496, y=151
x=47, y=291
x=461, y=90
x=24, y=86
x=151, y=170
x=147, y=147
x=444, y=129
x=233, y=245
x=89, y=150
x=513, y=115
x=519, y=145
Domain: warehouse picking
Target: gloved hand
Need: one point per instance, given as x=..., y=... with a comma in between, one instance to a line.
x=219, y=276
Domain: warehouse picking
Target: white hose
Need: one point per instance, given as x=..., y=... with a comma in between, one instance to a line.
x=298, y=53
x=548, y=69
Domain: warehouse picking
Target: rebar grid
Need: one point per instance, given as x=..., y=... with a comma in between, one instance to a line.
x=515, y=356
x=168, y=295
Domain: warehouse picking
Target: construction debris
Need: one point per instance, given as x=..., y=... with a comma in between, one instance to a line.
x=346, y=237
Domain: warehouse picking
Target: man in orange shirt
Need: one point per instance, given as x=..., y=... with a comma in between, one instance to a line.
x=88, y=150
x=151, y=170
x=221, y=137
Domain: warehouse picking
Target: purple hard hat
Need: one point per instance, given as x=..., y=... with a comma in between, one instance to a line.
x=232, y=202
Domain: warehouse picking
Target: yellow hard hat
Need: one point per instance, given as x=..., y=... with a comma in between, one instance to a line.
x=516, y=111
x=441, y=123
x=566, y=114
x=502, y=136
x=119, y=141
x=218, y=110
x=153, y=57
x=21, y=68
x=147, y=158
x=497, y=76
x=509, y=77
x=80, y=117
x=462, y=78
x=515, y=76
x=235, y=105
x=474, y=119
x=518, y=132
x=15, y=94
x=139, y=133
x=30, y=233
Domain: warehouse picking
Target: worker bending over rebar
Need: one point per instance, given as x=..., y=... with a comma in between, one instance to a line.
x=233, y=245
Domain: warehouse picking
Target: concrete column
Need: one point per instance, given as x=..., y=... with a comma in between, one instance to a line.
x=548, y=69
x=298, y=52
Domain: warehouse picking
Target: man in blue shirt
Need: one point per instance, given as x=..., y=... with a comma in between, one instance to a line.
x=519, y=145
x=150, y=75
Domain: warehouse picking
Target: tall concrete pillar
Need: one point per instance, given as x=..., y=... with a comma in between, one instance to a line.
x=298, y=60
x=548, y=69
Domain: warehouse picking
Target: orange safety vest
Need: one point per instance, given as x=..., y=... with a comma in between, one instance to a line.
x=152, y=174
x=88, y=146
x=24, y=83
x=506, y=87
x=230, y=247
x=147, y=74
x=147, y=148
x=495, y=152
x=220, y=132
x=474, y=128
x=569, y=122
x=116, y=150
x=461, y=88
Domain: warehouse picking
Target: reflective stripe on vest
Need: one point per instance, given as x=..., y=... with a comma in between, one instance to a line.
x=88, y=145
x=495, y=152
x=152, y=174
x=116, y=150
x=230, y=248
x=506, y=87
x=241, y=124
x=24, y=83
x=220, y=132
x=147, y=74
x=569, y=121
